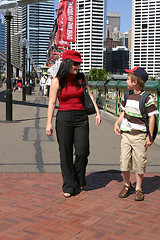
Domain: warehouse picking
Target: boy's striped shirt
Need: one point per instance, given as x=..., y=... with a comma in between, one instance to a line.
x=132, y=117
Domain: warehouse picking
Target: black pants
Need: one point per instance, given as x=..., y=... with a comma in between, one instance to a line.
x=72, y=130
x=48, y=88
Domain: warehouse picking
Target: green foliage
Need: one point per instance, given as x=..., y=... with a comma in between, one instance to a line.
x=151, y=79
x=98, y=74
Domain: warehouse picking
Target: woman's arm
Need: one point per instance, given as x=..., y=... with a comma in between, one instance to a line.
x=98, y=115
x=54, y=88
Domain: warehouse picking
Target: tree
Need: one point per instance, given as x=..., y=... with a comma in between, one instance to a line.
x=98, y=74
x=93, y=73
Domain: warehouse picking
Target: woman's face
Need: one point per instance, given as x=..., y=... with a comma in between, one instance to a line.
x=75, y=67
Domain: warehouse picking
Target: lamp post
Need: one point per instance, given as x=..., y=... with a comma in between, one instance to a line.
x=32, y=80
x=29, y=57
x=23, y=44
x=8, y=9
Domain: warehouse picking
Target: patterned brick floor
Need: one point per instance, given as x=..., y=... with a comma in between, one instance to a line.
x=32, y=207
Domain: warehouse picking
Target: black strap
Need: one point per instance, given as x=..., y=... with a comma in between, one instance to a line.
x=83, y=80
x=143, y=111
x=142, y=108
x=126, y=94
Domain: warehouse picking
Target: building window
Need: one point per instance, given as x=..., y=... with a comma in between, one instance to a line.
x=144, y=26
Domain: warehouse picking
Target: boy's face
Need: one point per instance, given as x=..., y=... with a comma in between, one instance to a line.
x=130, y=83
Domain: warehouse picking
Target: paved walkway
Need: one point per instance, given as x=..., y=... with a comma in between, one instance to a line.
x=31, y=202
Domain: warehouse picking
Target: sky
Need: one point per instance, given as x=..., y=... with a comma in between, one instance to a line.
x=123, y=6
x=125, y=9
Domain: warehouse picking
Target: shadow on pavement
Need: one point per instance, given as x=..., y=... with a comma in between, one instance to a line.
x=151, y=184
x=98, y=180
x=3, y=99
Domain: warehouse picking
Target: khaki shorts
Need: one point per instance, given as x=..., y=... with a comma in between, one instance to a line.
x=133, y=152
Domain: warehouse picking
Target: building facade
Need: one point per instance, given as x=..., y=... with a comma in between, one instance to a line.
x=16, y=36
x=91, y=25
x=37, y=23
x=146, y=35
x=2, y=44
x=117, y=60
x=113, y=24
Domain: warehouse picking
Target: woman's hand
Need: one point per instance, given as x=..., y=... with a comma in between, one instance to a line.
x=98, y=119
x=49, y=130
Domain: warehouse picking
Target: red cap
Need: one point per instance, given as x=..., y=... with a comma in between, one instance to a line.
x=139, y=72
x=73, y=55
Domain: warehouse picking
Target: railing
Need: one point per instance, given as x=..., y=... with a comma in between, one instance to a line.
x=109, y=95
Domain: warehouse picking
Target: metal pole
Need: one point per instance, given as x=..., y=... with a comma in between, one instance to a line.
x=23, y=83
x=8, y=18
x=29, y=71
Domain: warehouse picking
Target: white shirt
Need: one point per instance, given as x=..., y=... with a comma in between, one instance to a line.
x=48, y=82
x=43, y=80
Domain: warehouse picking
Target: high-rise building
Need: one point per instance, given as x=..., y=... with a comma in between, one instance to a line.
x=113, y=24
x=2, y=37
x=146, y=35
x=91, y=25
x=2, y=43
x=16, y=35
x=117, y=60
x=125, y=39
x=129, y=39
x=37, y=23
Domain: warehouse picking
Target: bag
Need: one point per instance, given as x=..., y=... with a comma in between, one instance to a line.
x=87, y=101
x=144, y=114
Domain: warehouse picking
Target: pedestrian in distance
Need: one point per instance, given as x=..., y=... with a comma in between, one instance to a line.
x=72, y=125
x=134, y=138
x=43, y=85
x=48, y=84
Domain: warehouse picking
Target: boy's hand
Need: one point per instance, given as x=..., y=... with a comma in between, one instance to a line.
x=147, y=143
x=117, y=129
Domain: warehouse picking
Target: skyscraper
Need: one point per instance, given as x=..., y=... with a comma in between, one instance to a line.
x=91, y=16
x=146, y=35
x=37, y=23
x=113, y=24
x=2, y=43
x=2, y=37
x=16, y=35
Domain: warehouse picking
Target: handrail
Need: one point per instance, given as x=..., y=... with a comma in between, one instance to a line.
x=109, y=95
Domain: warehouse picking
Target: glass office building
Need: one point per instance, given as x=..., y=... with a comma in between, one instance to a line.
x=2, y=43
x=37, y=23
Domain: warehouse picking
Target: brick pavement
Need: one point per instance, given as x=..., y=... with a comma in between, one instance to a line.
x=32, y=207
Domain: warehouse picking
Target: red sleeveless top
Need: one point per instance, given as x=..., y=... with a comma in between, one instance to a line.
x=71, y=98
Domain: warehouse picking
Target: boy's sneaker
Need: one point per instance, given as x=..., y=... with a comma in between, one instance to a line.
x=125, y=191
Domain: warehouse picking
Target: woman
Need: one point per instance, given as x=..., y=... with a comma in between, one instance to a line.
x=72, y=127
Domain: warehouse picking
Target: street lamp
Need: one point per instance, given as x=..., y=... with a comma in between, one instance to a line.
x=23, y=44
x=8, y=9
x=29, y=58
x=32, y=80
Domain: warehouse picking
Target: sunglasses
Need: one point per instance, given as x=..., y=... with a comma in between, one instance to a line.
x=76, y=63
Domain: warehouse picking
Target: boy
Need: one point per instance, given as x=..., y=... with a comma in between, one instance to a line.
x=134, y=142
